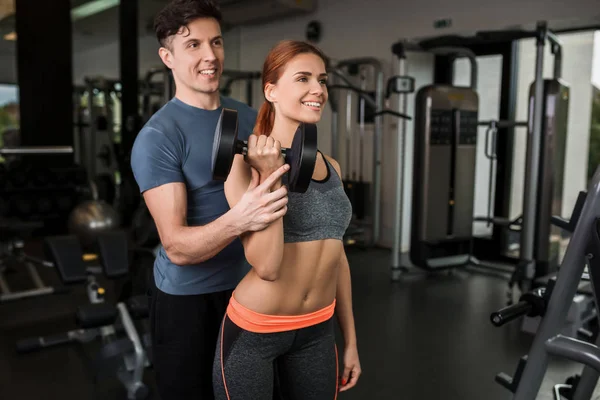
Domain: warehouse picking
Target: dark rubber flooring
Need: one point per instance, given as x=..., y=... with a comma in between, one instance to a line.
x=423, y=338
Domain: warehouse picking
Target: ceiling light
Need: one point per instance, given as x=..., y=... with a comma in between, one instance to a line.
x=91, y=8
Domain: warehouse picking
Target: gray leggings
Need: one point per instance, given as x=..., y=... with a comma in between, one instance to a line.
x=291, y=365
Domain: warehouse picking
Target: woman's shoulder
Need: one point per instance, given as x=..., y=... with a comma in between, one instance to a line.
x=333, y=163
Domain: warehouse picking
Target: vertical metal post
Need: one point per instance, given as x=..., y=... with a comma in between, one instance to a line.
x=348, y=132
x=400, y=67
x=334, y=104
x=532, y=163
x=89, y=141
x=129, y=70
x=378, y=144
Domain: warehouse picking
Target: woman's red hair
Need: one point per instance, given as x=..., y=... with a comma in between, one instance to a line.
x=276, y=60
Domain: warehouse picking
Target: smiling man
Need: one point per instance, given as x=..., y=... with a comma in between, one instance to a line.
x=201, y=259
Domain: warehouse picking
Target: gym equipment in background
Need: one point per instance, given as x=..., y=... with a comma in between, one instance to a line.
x=553, y=306
x=301, y=156
x=402, y=85
x=248, y=77
x=548, y=109
x=90, y=218
x=156, y=93
x=364, y=195
x=491, y=136
x=13, y=257
x=442, y=203
x=124, y=352
x=31, y=197
x=340, y=71
x=98, y=110
x=444, y=171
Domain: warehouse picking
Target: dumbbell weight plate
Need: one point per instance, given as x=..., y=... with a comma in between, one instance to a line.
x=302, y=157
x=224, y=144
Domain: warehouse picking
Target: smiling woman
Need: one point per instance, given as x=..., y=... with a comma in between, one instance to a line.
x=281, y=313
x=290, y=66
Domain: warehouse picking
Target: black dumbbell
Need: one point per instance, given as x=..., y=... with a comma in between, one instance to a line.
x=301, y=157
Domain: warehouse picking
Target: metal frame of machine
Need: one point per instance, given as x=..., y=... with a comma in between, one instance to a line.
x=446, y=50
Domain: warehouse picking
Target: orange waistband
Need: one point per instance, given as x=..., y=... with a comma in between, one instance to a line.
x=263, y=323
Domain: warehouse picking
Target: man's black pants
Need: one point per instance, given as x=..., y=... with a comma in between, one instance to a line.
x=184, y=332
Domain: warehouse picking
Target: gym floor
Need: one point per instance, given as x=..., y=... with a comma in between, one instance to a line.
x=422, y=338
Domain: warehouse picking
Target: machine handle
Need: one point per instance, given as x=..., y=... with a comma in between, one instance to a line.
x=38, y=343
x=570, y=224
x=29, y=345
x=510, y=313
x=490, y=153
x=394, y=113
x=37, y=150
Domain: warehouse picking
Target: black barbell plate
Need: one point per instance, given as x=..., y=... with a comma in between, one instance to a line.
x=302, y=157
x=224, y=144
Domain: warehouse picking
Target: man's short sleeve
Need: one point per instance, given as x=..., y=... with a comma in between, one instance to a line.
x=155, y=159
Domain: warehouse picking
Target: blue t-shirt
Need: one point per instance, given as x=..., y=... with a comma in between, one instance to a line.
x=175, y=145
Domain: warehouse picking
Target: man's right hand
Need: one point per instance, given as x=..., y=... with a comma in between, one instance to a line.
x=260, y=206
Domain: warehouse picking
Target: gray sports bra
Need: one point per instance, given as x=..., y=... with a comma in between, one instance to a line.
x=322, y=212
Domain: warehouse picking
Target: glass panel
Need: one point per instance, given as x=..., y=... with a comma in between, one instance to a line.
x=489, y=83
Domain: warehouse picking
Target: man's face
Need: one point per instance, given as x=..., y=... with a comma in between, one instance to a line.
x=196, y=56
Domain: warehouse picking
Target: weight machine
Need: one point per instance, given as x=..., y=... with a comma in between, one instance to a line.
x=98, y=134
x=124, y=351
x=98, y=137
x=365, y=196
x=29, y=196
x=445, y=160
x=552, y=304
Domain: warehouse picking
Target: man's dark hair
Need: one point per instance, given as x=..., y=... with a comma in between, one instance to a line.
x=179, y=13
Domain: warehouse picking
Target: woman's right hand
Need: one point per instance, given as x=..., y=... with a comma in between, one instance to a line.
x=264, y=154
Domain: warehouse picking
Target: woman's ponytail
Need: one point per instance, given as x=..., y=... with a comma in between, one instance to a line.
x=265, y=119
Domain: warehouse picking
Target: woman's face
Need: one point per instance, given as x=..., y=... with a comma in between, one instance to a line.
x=300, y=93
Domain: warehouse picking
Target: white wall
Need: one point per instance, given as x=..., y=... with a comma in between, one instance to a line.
x=354, y=28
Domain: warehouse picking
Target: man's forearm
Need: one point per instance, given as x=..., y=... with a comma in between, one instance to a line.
x=343, y=306
x=195, y=244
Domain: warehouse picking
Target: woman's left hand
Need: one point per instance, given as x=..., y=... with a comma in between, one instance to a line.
x=351, y=368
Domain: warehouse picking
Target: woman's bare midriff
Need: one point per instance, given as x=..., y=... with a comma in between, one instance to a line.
x=307, y=281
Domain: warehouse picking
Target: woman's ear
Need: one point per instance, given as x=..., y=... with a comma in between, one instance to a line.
x=271, y=93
